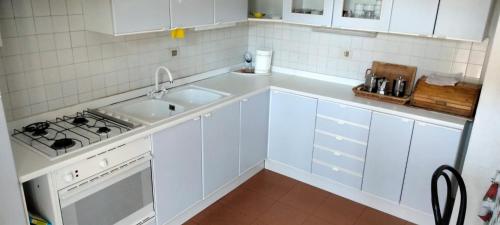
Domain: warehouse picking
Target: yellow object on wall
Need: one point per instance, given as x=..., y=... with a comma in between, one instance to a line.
x=177, y=33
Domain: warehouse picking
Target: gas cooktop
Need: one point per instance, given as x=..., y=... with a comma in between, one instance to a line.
x=67, y=134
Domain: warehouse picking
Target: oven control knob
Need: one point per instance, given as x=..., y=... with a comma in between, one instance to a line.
x=68, y=177
x=103, y=163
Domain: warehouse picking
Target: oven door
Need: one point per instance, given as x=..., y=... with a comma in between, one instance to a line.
x=122, y=195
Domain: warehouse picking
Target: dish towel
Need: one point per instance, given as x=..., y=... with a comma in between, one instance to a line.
x=490, y=208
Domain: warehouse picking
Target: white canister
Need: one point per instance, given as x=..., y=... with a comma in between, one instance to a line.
x=263, y=61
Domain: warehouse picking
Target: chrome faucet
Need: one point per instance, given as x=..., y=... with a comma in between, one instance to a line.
x=158, y=92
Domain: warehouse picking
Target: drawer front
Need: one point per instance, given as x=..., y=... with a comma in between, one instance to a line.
x=336, y=174
x=339, y=159
x=345, y=112
x=341, y=144
x=342, y=128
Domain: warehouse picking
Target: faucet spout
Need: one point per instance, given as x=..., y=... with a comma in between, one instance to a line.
x=157, y=93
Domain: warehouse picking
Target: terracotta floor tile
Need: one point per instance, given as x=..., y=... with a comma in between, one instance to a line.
x=305, y=197
x=226, y=215
x=270, y=184
x=269, y=198
x=248, y=202
x=312, y=220
x=282, y=214
x=339, y=211
x=375, y=217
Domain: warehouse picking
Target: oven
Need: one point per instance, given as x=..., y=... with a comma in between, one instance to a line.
x=121, y=195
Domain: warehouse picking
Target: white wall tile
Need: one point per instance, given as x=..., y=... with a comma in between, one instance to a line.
x=41, y=7
x=58, y=7
x=48, y=59
x=29, y=44
x=6, y=9
x=8, y=28
x=12, y=64
x=60, y=23
x=62, y=40
x=46, y=42
x=25, y=26
x=31, y=61
x=74, y=7
x=43, y=25
x=78, y=39
x=76, y=23
x=22, y=8
x=65, y=56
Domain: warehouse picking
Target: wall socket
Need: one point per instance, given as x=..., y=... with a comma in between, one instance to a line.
x=347, y=54
x=174, y=51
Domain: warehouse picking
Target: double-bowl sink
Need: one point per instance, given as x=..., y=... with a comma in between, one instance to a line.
x=151, y=110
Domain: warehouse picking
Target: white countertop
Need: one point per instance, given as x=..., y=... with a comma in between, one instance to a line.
x=31, y=164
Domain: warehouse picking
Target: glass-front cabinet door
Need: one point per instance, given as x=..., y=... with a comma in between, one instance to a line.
x=311, y=12
x=371, y=15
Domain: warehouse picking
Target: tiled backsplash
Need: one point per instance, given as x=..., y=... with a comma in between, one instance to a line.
x=303, y=48
x=48, y=61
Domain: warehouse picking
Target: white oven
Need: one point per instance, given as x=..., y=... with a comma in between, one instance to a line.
x=113, y=187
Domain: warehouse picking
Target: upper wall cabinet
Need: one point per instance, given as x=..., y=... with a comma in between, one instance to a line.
x=312, y=12
x=230, y=11
x=121, y=17
x=368, y=15
x=414, y=17
x=191, y=13
x=462, y=19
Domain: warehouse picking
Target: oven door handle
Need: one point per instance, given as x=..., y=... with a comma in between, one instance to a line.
x=103, y=180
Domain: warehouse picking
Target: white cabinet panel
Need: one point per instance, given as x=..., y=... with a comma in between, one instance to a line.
x=121, y=17
x=462, y=19
x=431, y=147
x=221, y=130
x=414, y=17
x=177, y=169
x=312, y=12
x=254, y=130
x=368, y=15
x=386, y=157
x=231, y=10
x=291, y=129
x=191, y=13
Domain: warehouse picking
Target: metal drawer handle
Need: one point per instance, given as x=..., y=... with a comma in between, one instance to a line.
x=196, y=119
x=335, y=169
x=208, y=115
x=339, y=138
x=341, y=122
x=244, y=100
x=337, y=154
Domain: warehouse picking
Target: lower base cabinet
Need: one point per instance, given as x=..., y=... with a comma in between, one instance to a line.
x=177, y=171
x=431, y=147
x=291, y=129
x=386, y=156
x=221, y=131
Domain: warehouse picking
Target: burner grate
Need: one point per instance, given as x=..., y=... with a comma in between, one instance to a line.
x=68, y=133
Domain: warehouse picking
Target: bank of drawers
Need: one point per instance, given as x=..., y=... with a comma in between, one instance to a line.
x=340, y=142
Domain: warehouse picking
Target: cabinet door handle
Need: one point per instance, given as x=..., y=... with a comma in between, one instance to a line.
x=208, y=115
x=196, y=119
x=337, y=154
x=339, y=138
x=405, y=120
x=244, y=100
x=335, y=169
x=341, y=122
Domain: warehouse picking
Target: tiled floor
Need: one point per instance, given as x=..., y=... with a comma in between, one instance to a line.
x=272, y=199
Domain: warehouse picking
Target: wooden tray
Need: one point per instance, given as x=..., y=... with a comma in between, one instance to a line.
x=390, y=72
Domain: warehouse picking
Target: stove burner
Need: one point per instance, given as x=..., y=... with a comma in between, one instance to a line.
x=80, y=120
x=64, y=143
x=103, y=130
x=37, y=129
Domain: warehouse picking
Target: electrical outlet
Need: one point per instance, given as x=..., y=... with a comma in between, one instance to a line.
x=347, y=54
x=174, y=51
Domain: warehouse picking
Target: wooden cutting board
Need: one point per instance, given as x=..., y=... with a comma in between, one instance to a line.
x=460, y=99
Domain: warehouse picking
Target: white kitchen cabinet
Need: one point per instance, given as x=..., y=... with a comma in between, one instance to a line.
x=291, y=129
x=191, y=13
x=386, y=157
x=414, y=17
x=254, y=130
x=311, y=12
x=462, y=19
x=122, y=17
x=177, y=171
x=431, y=147
x=367, y=15
x=230, y=10
x=221, y=131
